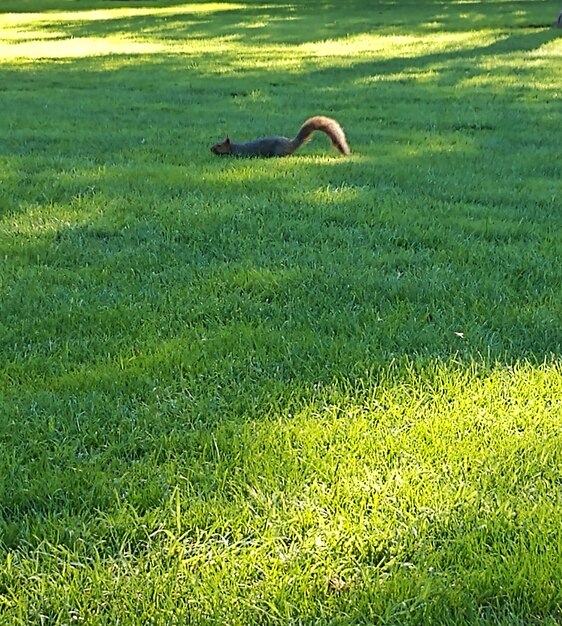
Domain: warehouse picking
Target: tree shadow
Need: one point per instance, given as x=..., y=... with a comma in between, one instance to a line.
x=260, y=24
x=115, y=159
x=148, y=130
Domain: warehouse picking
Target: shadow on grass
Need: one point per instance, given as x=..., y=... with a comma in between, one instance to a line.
x=260, y=23
x=152, y=117
x=118, y=157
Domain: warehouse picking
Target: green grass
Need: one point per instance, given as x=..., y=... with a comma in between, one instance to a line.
x=313, y=390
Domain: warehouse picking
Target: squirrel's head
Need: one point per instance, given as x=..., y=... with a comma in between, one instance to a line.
x=222, y=148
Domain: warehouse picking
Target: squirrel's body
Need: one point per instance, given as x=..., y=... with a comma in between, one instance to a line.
x=277, y=146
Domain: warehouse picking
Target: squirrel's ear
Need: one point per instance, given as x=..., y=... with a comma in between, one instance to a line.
x=227, y=141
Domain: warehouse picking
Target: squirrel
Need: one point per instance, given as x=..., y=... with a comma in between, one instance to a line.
x=277, y=146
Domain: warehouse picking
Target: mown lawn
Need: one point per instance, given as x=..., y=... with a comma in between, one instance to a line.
x=313, y=390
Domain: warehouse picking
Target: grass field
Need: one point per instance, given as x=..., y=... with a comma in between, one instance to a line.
x=313, y=390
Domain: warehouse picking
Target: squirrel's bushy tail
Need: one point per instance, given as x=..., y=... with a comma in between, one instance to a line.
x=326, y=125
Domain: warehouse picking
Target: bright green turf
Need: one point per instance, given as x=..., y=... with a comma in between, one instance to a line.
x=314, y=390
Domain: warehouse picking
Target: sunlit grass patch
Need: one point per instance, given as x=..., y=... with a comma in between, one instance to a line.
x=15, y=19
x=399, y=45
x=33, y=36
x=365, y=494
x=77, y=48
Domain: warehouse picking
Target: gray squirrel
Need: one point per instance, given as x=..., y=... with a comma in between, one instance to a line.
x=277, y=146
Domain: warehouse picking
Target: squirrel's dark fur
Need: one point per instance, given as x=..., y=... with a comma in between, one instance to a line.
x=281, y=146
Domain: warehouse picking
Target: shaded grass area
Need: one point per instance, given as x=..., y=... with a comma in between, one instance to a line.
x=309, y=390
